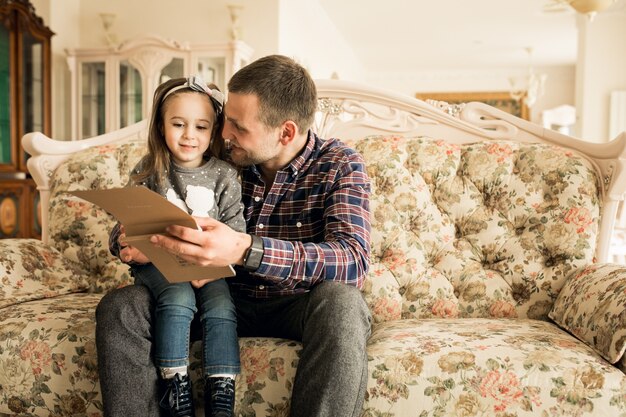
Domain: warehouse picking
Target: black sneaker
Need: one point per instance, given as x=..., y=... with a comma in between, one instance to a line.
x=219, y=397
x=178, y=398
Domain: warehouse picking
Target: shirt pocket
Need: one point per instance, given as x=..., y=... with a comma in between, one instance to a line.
x=306, y=227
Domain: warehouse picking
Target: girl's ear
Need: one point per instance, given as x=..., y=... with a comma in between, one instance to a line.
x=288, y=131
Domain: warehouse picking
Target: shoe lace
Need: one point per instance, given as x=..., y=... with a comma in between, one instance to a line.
x=222, y=393
x=179, y=390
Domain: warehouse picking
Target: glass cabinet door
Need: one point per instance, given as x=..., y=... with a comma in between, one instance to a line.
x=32, y=84
x=33, y=106
x=130, y=94
x=175, y=69
x=5, y=94
x=93, y=112
x=24, y=72
x=25, y=106
x=113, y=89
x=211, y=69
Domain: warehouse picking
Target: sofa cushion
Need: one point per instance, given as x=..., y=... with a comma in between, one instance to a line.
x=31, y=270
x=476, y=230
x=48, y=357
x=48, y=362
x=592, y=306
x=79, y=229
x=487, y=367
x=430, y=367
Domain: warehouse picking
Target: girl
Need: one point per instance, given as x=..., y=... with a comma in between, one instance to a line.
x=183, y=165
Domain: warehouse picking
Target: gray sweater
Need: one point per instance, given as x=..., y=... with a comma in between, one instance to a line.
x=211, y=190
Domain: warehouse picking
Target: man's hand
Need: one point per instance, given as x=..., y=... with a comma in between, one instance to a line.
x=216, y=244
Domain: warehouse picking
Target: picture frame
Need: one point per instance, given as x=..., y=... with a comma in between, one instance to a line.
x=499, y=99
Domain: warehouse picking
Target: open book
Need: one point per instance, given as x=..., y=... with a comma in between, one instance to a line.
x=145, y=213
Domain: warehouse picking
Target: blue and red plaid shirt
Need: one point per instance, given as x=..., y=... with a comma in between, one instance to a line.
x=314, y=221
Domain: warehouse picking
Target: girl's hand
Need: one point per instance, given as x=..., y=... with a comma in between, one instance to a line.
x=200, y=282
x=130, y=253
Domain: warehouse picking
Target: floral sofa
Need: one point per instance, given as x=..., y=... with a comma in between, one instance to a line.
x=487, y=287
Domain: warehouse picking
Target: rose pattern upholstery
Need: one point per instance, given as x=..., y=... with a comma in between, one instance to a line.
x=471, y=246
x=591, y=306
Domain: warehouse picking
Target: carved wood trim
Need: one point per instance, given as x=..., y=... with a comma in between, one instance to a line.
x=492, y=98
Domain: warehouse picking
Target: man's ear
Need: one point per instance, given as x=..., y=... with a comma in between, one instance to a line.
x=288, y=132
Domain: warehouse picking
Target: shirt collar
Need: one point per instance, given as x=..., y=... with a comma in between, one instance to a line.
x=310, y=150
x=301, y=160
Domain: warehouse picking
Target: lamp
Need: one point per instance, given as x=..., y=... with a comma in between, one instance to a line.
x=107, y=22
x=530, y=87
x=235, y=12
x=589, y=7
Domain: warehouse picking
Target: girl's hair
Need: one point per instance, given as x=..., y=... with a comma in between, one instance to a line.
x=157, y=161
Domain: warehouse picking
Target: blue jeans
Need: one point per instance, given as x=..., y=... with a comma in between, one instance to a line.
x=175, y=309
x=332, y=321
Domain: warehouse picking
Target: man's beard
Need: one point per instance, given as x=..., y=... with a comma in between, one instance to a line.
x=245, y=160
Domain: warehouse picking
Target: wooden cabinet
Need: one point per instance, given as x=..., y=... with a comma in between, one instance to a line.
x=20, y=214
x=113, y=87
x=25, y=76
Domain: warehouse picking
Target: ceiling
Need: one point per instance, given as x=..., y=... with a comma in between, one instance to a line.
x=450, y=34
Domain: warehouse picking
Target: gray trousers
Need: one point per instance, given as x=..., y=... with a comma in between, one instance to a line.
x=332, y=321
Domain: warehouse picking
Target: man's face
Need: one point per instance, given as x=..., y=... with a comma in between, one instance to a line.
x=251, y=141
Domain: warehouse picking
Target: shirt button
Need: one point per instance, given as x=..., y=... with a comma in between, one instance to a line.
x=298, y=224
x=257, y=199
x=261, y=226
x=295, y=173
x=261, y=287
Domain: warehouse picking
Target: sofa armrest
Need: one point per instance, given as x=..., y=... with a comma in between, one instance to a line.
x=592, y=307
x=32, y=270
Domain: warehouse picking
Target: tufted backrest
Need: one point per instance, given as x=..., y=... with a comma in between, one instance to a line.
x=490, y=229
x=79, y=229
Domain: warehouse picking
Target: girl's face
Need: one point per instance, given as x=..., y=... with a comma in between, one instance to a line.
x=188, y=120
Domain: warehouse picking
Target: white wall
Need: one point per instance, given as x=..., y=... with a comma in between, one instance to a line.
x=559, y=88
x=601, y=69
x=77, y=24
x=62, y=21
x=298, y=28
x=307, y=35
x=182, y=20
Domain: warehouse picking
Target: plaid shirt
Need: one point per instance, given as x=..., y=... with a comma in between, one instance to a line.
x=314, y=221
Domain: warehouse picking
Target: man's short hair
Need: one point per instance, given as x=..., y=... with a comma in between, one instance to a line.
x=284, y=88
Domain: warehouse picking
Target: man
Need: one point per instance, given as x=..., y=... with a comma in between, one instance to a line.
x=301, y=264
